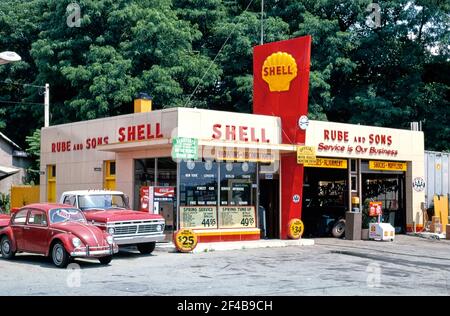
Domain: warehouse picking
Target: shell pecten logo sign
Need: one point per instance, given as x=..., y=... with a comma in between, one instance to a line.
x=278, y=70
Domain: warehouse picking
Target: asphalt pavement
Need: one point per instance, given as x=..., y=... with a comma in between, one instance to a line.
x=407, y=266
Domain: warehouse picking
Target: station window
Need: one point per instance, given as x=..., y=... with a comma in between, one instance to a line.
x=237, y=184
x=166, y=172
x=198, y=183
x=217, y=195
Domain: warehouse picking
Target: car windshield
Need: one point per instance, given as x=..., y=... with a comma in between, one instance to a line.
x=102, y=201
x=61, y=215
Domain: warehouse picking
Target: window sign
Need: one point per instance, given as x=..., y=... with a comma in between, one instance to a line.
x=198, y=183
x=184, y=148
x=237, y=217
x=198, y=217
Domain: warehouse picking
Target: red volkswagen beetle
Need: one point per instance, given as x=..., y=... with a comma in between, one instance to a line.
x=56, y=230
x=4, y=220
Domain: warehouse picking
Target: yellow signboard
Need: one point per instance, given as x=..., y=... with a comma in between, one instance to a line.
x=185, y=240
x=306, y=154
x=296, y=228
x=237, y=217
x=328, y=163
x=198, y=217
x=387, y=165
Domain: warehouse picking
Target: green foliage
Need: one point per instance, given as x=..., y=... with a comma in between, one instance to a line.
x=34, y=151
x=199, y=54
x=5, y=203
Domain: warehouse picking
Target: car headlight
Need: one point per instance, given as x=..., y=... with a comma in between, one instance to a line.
x=160, y=228
x=110, y=239
x=111, y=230
x=76, y=242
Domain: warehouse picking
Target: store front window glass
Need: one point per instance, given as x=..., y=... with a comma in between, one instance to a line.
x=144, y=175
x=237, y=184
x=198, y=194
x=166, y=172
x=238, y=189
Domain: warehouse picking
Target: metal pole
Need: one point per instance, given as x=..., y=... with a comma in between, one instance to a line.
x=262, y=22
x=47, y=106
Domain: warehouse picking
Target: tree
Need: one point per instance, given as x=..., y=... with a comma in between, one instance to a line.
x=199, y=54
x=34, y=151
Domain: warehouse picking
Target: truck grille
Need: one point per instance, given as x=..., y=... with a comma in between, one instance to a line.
x=145, y=229
x=135, y=228
x=125, y=230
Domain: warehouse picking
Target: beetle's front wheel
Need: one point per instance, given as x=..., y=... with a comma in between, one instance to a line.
x=105, y=260
x=60, y=256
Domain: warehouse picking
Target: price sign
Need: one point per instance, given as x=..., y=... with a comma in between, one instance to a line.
x=237, y=217
x=185, y=240
x=296, y=228
x=198, y=217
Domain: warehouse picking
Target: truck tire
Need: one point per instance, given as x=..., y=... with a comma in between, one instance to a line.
x=105, y=260
x=338, y=229
x=146, y=248
x=6, y=248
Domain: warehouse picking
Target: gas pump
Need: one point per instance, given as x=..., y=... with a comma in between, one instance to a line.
x=159, y=200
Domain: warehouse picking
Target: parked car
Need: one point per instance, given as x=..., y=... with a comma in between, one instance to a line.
x=55, y=230
x=110, y=211
x=4, y=220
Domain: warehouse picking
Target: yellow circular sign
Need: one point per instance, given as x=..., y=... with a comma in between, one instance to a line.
x=185, y=240
x=296, y=228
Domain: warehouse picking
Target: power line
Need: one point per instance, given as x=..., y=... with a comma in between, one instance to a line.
x=17, y=102
x=20, y=84
x=218, y=53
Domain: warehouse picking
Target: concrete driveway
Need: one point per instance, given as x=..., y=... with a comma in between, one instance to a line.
x=408, y=266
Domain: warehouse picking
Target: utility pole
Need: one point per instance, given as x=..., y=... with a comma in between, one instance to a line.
x=47, y=105
x=262, y=22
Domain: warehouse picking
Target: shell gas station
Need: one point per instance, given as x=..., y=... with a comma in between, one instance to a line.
x=233, y=176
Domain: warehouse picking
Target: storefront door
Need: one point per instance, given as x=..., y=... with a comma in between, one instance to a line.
x=269, y=208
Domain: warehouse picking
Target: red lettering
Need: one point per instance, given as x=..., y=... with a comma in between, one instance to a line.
x=158, y=131
x=263, y=136
x=253, y=135
x=278, y=70
x=217, y=133
x=243, y=133
x=106, y=140
x=149, y=132
x=326, y=134
x=230, y=132
x=53, y=147
x=131, y=133
x=140, y=132
x=122, y=134
x=389, y=140
x=266, y=72
x=272, y=71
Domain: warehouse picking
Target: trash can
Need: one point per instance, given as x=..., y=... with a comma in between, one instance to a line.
x=353, y=223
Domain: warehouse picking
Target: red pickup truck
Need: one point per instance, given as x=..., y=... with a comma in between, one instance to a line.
x=110, y=210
